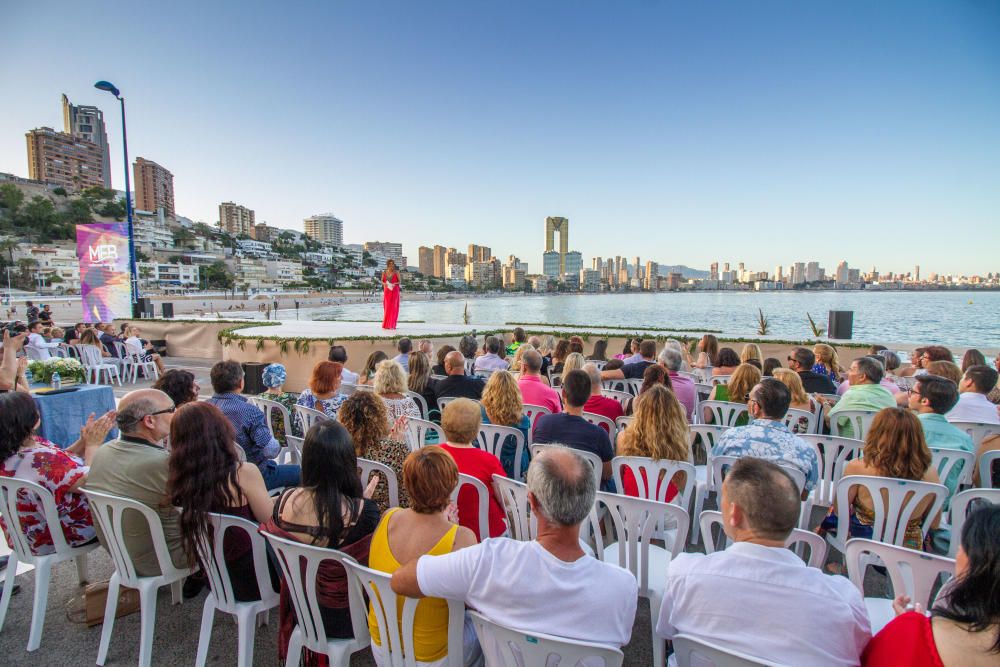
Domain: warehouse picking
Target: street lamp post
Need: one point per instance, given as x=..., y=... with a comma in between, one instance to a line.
x=133, y=272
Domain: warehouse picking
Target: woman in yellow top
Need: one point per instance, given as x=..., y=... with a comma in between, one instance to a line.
x=429, y=526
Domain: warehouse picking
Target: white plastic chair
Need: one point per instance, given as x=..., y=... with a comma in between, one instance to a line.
x=132, y=363
x=533, y=412
x=647, y=474
x=420, y=401
x=623, y=397
x=470, y=365
x=347, y=388
x=366, y=468
x=723, y=413
x=445, y=400
x=832, y=453
x=268, y=407
x=960, y=508
x=299, y=568
x=720, y=379
x=708, y=435
x=593, y=459
x=605, y=423
x=623, y=422
x=794, y=415
x=893, y=510
x=108, y=511
x=482, y=504
x=221, y=596
x=914, y=572
x=514, y=495
x=306, y=417
x=507, y=647
x=703, y=390
x=852, y=423
x=978, y=432
x=692, y=652
x=986, y=462
x=94, y=365
x=417, y=430
x=945, y=461
x=627, y=385
x=34, y=353
x=10, y=489
x=710, y=519
x=492, y=438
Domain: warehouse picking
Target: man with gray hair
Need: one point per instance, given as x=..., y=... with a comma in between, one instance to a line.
x=866, y=393
x=598, y=403
x=683, y=387
x=548, y=585
x=534, y=391
x=490, y=360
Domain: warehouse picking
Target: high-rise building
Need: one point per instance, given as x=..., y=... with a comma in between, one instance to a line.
x=596, y=264
x=572, y=262
x=154, y=187
x=452, y=256
x=236, y=219
x=393, y=251
x=425, y=260
x=87, y=122
x=714, y=271
x=479, y=253
x=560, y=225
x=813, y=273
x=842, y=273
x=590, y=280
x=798, y=273
x=62, y=159
x=440, y=266
x=325, y=228
x=778, y=271
x=652, y=275
x=551, y=264
x=916, y=273
x=636, y=268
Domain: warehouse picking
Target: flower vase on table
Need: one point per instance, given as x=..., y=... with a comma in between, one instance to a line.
x=70, y=371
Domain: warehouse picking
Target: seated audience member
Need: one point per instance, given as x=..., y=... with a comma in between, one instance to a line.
x=73, y=334
x=533, y=390
x=600, y=351
x=598, y=404
x=888, y=383
x=802, y=360
x=990, y=443
x=633, y=370
x=205, y=475
x=963, y=629
x=936, y=353
x=932, y=398
x=273, y=378
x=338, y=353
x=876, y=349
x=502, y=406
x=894, y=447
x=438, y=368
x=468, y=346
x=916, y=363
x=457, y=383
x=544, y=347
x=866, y=393
x=37, y=343
x=518, y=338
x=655, y=375
x=766, y=436
x=136, y=466
x=575, y=344
x=891, y=362
x=561, y=599
x=800, y=399
x=757, y=597
x=726, y=362
x=140, y=349
x=460, y=421
x=332, y=510
x=569, y=428
x=515, y=364
x=426, y=528
x=367, y=373
x=751, y=351
x=827, y=362
x=420, y=381
x=426, y=347
x=945, y=369
x=559, y=355
x=92, y=337
x=973, y=406
x=660, y=431
x=366, y=418
x=109, y=337
x=683, y=386
x=390, y=385
x=631, y=352
x=323, y=392
x=60, y=471
x=574, y=362
x=250, y=425
x=973, y=357
x=179, y=385
x=687, y=363
x=490, y=360
x=708, y=350
x=737, y=390
x=403, y=346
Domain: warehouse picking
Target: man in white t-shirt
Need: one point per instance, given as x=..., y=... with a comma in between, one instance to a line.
x=338, y=353
x=37, y=341
x=973, y=406
x=757, y=597
x=549, y=585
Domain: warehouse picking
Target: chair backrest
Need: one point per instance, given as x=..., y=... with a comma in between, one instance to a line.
x=417, y=430
x=960, y=503
x=905, y=382
x=89, y=355
x=123, y=353
x=484, y=373
x=482, y=503
x=507, y=646
x=308, y=416
x=555, y=379
x=913, y=573
x=852, y=423
x=72, y=352
x=492, y=438
x=438, y=377
x=794, y=416
x=832, y=453
x=703, y=389
x=895, y=502
x=533, y=412
x=347, y=388
x=986, y=467
x=420, y=401
x=978, y=432
x=600, y=364
x=11, y=491
x=366, y=468
x=691, y=652
x=647, y=474
x=605, y=423
x=623, y=422
x=269, y=408
x=708, y=435
x=108, y=511
x=623, y=385
x=721, y=379
x=300, y=565
x=364, y=387
x=591, y=458
x=445, y=400
x=946, y=460
x=213, y=561
x=720, y=464
x=623, y=397
x=514, y=496
x=470, y=365
x=33, y=353
x=711, y=519
x=636, y=522
x=694, y=377
x=723, y=413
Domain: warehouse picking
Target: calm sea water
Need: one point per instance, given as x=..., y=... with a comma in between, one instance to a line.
x=958, y=319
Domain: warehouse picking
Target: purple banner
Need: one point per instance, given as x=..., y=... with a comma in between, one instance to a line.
x=102, y=250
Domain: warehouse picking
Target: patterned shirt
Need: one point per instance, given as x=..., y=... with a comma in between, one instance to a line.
x=250, y=425
x=328, y=406
x=768, y=439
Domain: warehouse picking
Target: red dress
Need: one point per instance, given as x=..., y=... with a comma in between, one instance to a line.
x=906, y=640
x=390, y=301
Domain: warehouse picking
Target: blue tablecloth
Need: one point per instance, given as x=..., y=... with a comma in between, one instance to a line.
x=64, y=414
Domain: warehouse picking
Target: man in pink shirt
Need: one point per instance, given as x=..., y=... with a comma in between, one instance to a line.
x=683, y=386
x=533, y=390
x=598, y=404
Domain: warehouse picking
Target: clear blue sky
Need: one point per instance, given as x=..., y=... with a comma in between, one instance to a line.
x=764, y=132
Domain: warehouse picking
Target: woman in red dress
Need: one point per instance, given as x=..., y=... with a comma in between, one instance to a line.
x=390, y=295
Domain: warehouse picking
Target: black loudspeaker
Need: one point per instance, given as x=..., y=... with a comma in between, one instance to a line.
x=841, y=324
x=253, y=377
x=168, y=310
x=142, y=309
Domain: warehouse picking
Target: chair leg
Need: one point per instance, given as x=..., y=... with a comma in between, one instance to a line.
x=659, y=643
x=147, y=608
x=81, y=569
x=245, y=630
x=699, y=503
x=205, y=636
x=110, y=608
x=43, y=569
x=8, y=587
x=175, y=592
x=294, y=649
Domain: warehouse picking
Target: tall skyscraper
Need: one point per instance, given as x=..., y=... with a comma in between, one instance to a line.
x=425, y=260
x=154, y=187
x=652, y=275
x=813, y=272
x=325, y=228
x=714, y=271
x=560, y=225
x=572, y=262
x=236, y=219
x=62, y=159
x=916, y=273
x=552, y=264
x=479, y=253
x=453, y=256
x=842, y=273
x=87, y=122
x=440, y=266
x=393, y=251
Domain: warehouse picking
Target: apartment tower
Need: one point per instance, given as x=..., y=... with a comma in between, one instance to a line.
x=236, y=219
x=62, y=159
x=560, y=225
x=87, y=122
x=325, y=228
x=154, y=187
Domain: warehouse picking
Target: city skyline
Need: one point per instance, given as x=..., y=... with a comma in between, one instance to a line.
x=635, y=124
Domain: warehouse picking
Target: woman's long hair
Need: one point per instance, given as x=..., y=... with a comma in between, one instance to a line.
x=751, y=351
x=366, y=418
x=742, y=381
x=20, y=414
x=202, y=470
x=600, y=352
x=502, y=399
x=330, y=474
x=420, y=372
x=973, y=358
x=655, y=375
x=791, y=379
x=895, y=444
x=827, y=355
x=710, y=346
x=373, y=360
x=660, y=429
x=561, y=351
x=973, y=599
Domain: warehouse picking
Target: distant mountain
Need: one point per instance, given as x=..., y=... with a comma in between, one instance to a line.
x=685, y=271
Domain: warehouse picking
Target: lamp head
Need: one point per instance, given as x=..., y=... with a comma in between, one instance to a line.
x=107, y=86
